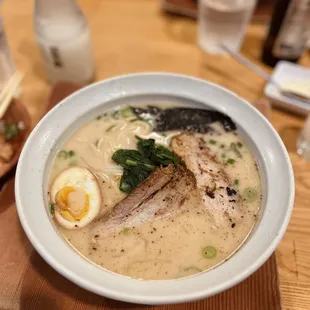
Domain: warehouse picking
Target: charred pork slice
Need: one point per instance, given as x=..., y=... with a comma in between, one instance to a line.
x=156, y=180
x=166, y=191
x=215, y=186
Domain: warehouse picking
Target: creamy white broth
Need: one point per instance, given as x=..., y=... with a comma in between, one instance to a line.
x=165, y=248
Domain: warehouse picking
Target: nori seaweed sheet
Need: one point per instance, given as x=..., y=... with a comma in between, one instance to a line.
x=189, y=119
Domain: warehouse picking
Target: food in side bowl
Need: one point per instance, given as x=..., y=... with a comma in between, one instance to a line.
x=9, y=138
x=155, y=192
x=8, y=131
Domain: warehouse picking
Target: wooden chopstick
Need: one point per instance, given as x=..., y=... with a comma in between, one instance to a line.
x=8, y=92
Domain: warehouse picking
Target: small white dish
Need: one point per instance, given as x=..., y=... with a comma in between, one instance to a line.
x=48, y=136
x=285, y=73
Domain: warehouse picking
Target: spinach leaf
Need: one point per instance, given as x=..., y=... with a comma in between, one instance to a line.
x=129, y=158
x=145, y=146
x=138, y=164
x=162, y=156
x=159, y=155
x=128, y=181
x=136, y=168
x=131, y=178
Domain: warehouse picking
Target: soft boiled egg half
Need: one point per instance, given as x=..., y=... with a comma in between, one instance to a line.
x=76, y=196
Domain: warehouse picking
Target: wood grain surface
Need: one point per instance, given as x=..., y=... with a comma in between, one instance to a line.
x=27, y=282
x=134, y=36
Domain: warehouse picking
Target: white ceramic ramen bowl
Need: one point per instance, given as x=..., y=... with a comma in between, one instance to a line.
x=48, y=136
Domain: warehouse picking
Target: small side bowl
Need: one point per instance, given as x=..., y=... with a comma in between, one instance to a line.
x=43, y=143
x=16, y=113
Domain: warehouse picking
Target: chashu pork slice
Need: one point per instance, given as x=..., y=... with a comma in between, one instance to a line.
x=166, y=191
x=215, y=186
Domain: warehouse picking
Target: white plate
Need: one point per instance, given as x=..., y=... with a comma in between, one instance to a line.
x=283, y=73
x=65, y=118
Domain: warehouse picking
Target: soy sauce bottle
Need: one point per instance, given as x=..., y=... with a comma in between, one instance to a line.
x=287, y=33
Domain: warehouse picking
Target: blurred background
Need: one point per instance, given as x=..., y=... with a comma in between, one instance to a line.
x=132, y=36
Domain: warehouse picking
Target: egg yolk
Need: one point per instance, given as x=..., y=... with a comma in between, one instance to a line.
x=73, y=203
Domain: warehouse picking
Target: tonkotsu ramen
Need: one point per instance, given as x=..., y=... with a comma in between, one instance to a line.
x=155, y=192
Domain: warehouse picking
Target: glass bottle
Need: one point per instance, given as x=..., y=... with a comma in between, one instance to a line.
x=287, y=33
x=63, y=36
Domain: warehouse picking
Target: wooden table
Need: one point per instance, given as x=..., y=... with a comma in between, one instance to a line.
x=133, y=36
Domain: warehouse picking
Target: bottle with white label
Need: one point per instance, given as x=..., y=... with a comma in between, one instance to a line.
x=288, y=31
x=63, y=36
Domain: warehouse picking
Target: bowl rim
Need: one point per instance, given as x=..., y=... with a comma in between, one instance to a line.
x=164, y=80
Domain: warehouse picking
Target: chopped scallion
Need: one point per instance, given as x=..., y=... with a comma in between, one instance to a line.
x=233, y=147
x=125, y=231
x=71, y=153
x=62, y=154
x=52, y=208
x=209, y=252
x=250, y=194
x=130, y=162
x=127, y=112
x=236, y=182
x=230, y=161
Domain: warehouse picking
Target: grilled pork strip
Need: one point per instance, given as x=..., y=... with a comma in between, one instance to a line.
x=163, y=193
x=215, y=186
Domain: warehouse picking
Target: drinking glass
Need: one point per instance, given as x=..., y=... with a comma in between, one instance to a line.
x=223, y=22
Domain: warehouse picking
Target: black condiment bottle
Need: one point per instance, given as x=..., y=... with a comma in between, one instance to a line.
x=287, y=33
